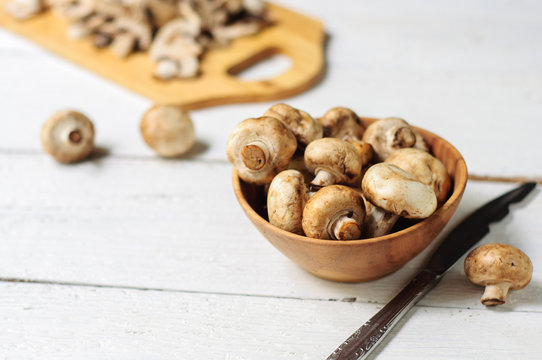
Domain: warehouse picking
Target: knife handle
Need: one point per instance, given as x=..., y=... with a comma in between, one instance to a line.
x=360, y=344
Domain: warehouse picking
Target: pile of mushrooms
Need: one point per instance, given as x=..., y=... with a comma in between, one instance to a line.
x=174, y=32
x=332, y=178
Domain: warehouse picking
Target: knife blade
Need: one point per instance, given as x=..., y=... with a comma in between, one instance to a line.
x=473, y=228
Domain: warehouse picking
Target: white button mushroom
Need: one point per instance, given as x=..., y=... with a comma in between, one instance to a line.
x=342, y=123
x=286, y=200
x=393, y=190
x=333, y=161
x=301, y=124
x=335, y=212
x=390, y=134
x=260, y=148
x=168, y=130
x=68, y=136
x=425, y=167
x=498, y=267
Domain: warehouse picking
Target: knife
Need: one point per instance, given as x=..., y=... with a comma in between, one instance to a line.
x=473, y=228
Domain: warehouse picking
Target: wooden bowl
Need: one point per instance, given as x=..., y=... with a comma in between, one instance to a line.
x=366, y=259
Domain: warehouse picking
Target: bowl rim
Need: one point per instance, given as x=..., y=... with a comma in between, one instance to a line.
x=459, y=186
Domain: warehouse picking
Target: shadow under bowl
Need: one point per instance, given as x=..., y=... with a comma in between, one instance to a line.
x=365, y=259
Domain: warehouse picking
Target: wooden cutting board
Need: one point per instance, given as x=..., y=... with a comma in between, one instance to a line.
x=299, y=37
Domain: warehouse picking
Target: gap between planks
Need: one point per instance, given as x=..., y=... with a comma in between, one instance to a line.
x=179, y=291
x=98, y=156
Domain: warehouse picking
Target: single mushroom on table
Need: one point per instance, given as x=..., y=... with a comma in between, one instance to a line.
x=498, y=267
x=300, y=123
x=168, y=129
x=426, y=168
x=260, y=148
x=390, y=134
x=286, y=199
x=333, y=161
x=394, y=193
x=68, y=136
x=335, y=212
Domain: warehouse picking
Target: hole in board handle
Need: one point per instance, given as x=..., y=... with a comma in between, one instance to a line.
x=264, y=65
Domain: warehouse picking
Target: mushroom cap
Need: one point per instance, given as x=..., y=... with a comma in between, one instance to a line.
x=389, y=134
x=329, y=204
x=300, y=123
x=425, y=167
x=68, y=136
x=168, y=130
x=364, y=149
x=393, y=189
x=286, y=200
x=270, y=145
x=341, y=122
x=492, y=264
x=336, y=157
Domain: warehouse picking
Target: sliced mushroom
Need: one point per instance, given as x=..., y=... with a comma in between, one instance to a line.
x=168, y=129
x=286, y=199
x=390, y=134
x=333, y=161
x=498, y=267
x=68, y=136
x=23, y=9
x=260, y=148
x=393, y=190
x=335, y=212
x=175, y=43
x=425, y=167
x=301, y=124
x=342, y=123
x=140, y=31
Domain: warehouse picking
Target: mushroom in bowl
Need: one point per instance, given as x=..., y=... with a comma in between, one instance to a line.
x=362, y=259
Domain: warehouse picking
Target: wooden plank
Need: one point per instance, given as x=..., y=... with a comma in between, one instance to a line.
x=63, y=322
x=176, y=225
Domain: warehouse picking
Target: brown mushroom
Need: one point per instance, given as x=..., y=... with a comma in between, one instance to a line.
x=333, y=161
x=260, y=148
x=394, y=193
x=498, y=267
x=68, y=136
x=168, y=129
x=342, y=123
x=426, y=168
x=389, y=134
x=286, y=199
x=301, y=124
x=335, y=212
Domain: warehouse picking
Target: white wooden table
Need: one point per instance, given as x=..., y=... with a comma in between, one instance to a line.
x=129, y=256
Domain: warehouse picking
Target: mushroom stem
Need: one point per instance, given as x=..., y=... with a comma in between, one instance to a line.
x=75, y=136
x=495, y=294
x=345, y=228
x=379, y=222
x=72, y=134
x=322, y=178
x=255, y=155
